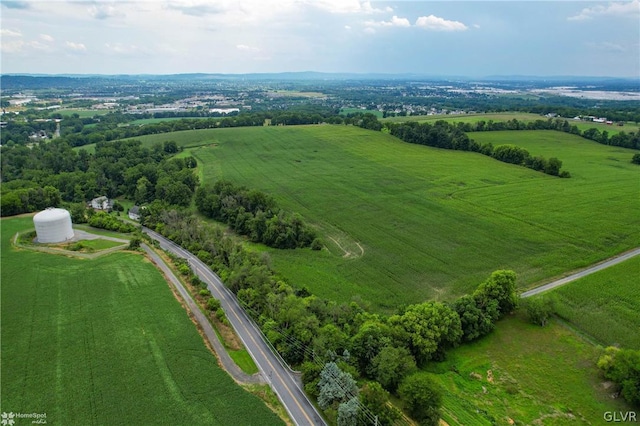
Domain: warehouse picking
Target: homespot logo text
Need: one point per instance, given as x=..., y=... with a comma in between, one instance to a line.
x=9, y=419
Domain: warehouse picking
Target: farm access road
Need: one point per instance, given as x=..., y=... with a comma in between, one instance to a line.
x=272, y=367
x=583, y=273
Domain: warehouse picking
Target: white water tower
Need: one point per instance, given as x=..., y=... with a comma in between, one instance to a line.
x=53, y=225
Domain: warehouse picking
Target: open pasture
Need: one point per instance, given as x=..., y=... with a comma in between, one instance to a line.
x=105, y=341
x=82, y=112
x=605, y=305
x=405, y=223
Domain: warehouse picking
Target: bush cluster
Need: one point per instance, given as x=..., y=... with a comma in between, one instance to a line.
x=105, y=221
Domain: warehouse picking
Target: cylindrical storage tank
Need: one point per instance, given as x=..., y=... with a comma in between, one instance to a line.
x=53, y=225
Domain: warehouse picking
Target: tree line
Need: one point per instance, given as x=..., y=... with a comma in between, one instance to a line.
x=629, y=140
x=443, y=134
x=255, y=214
x=78, y=131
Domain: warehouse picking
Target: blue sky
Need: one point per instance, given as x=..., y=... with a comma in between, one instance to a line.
x=439, y=38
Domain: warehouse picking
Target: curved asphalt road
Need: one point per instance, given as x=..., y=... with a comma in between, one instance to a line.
x=225, y=359
x=280, y=377
x=588, y=271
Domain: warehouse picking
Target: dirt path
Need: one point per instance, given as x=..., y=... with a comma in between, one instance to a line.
x=348, y=254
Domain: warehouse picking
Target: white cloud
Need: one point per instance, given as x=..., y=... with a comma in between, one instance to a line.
x=628, y=9
x=606, y=46
x=16, y=46
x=246, y=48
x=436, y=23
x=394, y=22
x=13, y=46
x=347, y=6
x=104, y=11
x=10, y=33
x=46, y=37
x=200, y=8
x=121, y=49
x=75, y=47
x=37, y=45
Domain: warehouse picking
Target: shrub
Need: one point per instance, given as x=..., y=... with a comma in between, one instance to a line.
x=212, y=304
x=316, y=244
x=134, y=243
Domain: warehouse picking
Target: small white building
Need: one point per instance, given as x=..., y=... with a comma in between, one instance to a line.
x=102, y=203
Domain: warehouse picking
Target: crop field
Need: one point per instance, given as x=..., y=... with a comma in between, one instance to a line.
x=605, y=305
x=104, y=341
x=524, y=374
x=346, y=111
x=404, y=223
x=520, y=116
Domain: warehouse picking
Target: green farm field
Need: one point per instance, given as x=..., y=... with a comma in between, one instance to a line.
x=404, y=223
x=605, y=305
x=525, y=374
x=105, y=341
x=82, y=113
x=520, y=116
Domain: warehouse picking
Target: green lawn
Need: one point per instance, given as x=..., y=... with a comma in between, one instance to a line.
x=104, y=341
x=605, y=305
x=99, y=244
x=543, y=376
x=405, y=223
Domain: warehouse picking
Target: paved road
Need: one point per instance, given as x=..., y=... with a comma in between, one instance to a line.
x=228, y=364
x=598, y=267
x=273, y=369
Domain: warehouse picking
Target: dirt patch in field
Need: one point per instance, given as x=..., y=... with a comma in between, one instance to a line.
x=350, y=252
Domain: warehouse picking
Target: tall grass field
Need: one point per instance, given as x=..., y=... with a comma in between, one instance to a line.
x=605, y=305
x=404, y=223
x=104, y=341
x=524, y=374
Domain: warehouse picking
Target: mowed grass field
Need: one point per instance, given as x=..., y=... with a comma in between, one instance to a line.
x=93, y=342
x=405, y=223
x=605, y=305
x=524, y=374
